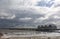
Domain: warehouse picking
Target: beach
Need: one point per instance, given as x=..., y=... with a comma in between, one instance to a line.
x=34, y=37
x=25, y=34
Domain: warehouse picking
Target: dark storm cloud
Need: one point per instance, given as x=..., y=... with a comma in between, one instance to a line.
x=29, y=13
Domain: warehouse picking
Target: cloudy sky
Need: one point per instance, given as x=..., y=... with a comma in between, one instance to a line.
x=22, y=13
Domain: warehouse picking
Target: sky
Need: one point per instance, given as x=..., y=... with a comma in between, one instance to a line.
x=29, y=13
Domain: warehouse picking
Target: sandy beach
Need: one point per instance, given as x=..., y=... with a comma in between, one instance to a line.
x=18, y=34
x=34, y=37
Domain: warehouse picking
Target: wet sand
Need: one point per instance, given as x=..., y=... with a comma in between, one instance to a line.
x=34, y=37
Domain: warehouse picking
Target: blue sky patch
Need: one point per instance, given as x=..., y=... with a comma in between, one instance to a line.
x=45, y=3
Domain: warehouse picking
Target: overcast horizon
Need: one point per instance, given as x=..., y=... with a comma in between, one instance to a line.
x=21, y=13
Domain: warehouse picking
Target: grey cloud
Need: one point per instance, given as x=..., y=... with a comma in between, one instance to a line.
x=50, y=19
x=20, y=14
x=9, y=9
x=57, y=5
